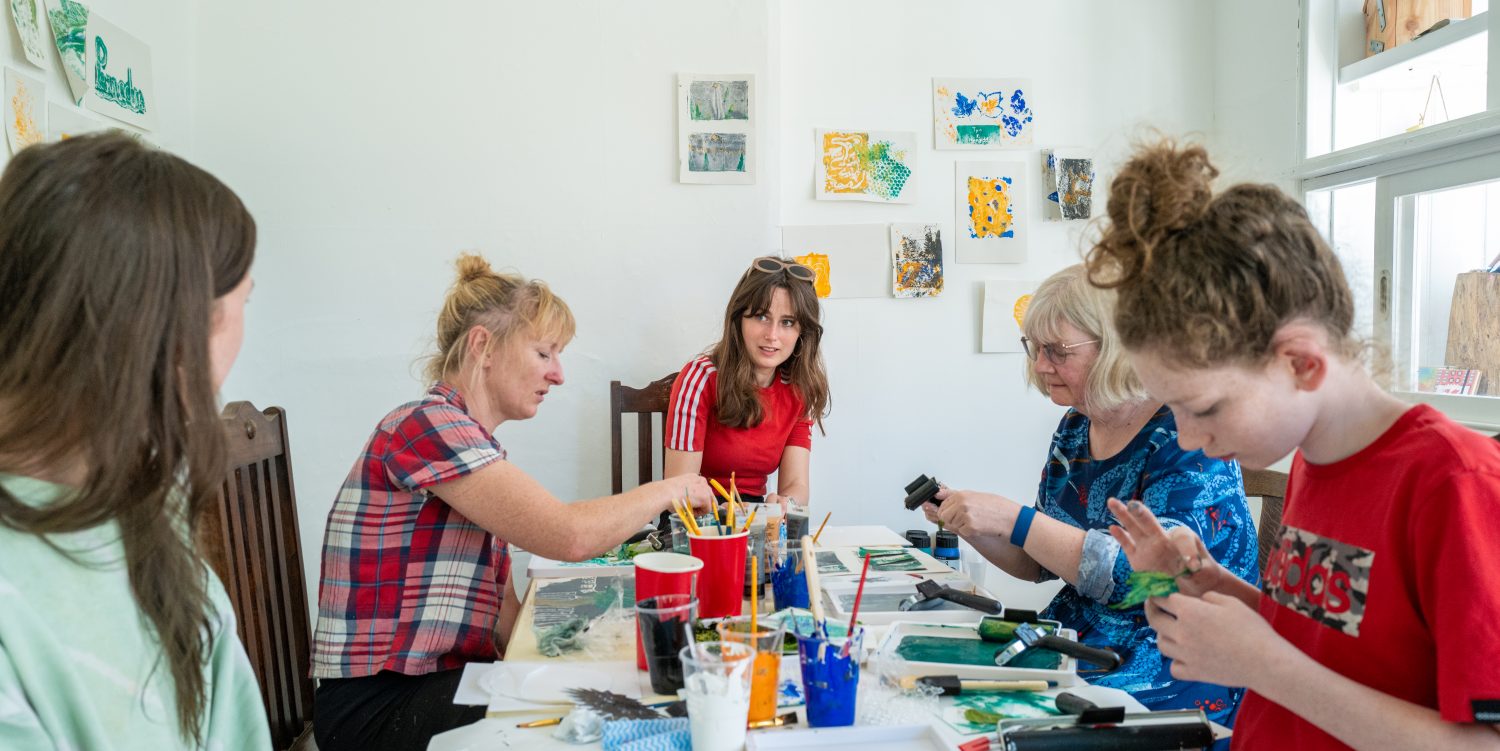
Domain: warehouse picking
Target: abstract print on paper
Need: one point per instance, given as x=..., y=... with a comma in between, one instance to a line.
x=716, y=152
x=990, y=212
x=977, y=113
x=916, y=260
x=865, y=166
x=716, y=129
x=1069, y=180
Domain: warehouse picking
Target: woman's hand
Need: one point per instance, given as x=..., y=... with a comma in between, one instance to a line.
x=1214, y=638
x=968, y=512
x=1178, y=551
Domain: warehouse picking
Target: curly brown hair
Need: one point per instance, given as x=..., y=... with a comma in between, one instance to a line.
x=1207, y=279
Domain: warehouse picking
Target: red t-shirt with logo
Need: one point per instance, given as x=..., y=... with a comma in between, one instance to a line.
x=751, y=453
x=1388, y=572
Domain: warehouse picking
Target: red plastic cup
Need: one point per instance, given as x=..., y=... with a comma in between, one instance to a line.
x=721, y=588
x=662, y=574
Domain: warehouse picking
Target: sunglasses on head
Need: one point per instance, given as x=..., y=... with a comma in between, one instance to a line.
x=772, y=265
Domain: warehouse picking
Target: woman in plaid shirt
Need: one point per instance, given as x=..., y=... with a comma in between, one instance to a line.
x=415, y=563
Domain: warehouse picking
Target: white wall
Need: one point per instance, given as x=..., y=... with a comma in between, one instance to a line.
x=912, y=394
x=373, y=143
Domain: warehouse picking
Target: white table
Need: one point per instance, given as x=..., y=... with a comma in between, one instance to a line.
x=497, y=733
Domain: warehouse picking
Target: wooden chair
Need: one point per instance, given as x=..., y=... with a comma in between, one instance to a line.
x=642, y=402
x=250, y=539
x=1270, y=487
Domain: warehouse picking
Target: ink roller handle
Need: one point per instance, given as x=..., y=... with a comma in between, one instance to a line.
x=1104, y=658
x=970, y=600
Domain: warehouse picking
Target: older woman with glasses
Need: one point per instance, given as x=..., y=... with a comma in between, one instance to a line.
x=1114, y=441
x=746, y=406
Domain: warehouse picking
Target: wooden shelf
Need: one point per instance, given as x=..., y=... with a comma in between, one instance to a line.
x=1403, y=53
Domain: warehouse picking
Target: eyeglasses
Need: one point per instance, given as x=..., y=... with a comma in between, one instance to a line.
x=773, y=265
x=1056, y=354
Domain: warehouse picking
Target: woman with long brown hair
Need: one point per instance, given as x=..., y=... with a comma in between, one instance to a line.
x=124, y=273
x=746, y=407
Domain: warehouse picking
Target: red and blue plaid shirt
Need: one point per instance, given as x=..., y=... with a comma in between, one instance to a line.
x=409, y=584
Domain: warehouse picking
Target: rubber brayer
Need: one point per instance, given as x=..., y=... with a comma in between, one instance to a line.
x=922, y=490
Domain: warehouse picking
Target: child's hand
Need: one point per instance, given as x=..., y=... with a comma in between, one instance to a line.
x=1215, y=638
x=1179, y=552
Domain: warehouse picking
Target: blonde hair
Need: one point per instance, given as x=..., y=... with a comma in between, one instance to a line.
x=504, y=304
x=1068, y=297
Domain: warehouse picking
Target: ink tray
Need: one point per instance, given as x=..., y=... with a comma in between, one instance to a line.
x=956, y=649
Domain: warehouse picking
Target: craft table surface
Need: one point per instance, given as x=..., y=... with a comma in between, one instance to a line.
x=496, y=733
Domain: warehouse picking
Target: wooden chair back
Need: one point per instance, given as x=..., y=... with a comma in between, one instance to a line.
x=1270, y=487
x=250, y=539
x=642, y=402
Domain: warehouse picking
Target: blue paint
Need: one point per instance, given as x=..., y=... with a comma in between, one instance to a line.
x=963, y=106
x=1018, y=104
x=830, y=684
x=788, y=585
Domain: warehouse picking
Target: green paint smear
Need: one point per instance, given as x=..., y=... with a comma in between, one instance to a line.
x=954, y=651
x=978, y=135
x=1144, y=585
x=981, y=712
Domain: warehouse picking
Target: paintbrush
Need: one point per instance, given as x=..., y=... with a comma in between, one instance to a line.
x=821, y=526
x=854, y=615
x=952, y=685
x=814, y=591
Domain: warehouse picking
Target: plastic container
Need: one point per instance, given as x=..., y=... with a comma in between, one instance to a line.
x=945, y=549
x=721, y=585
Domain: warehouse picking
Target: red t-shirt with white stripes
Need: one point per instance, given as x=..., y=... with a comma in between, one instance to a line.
x=751, y=453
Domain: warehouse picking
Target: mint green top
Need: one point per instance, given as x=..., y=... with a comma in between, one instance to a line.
x=81, y=668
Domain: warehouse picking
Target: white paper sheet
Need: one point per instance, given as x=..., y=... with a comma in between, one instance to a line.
x=858, y=255
x=118, y=68
x=65, y=122
x=1005, y=303
x=31, y=25
x=25, y=109
x=68, y=21
x=990, y=205
x=982, y=113
x=716, y=117
x=852, y=164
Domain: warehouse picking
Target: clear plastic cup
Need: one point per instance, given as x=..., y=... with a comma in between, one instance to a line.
x=765, y=676
x=716, y=677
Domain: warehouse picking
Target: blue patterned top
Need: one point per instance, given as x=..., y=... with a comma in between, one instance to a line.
x=1183, y=488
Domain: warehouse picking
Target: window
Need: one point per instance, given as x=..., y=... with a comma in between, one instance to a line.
x=1413, y=213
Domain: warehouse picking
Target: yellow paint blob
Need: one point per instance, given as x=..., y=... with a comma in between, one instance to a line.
x=818, y=262
x=1019, y=311
x=989, y=207
x=843, y=172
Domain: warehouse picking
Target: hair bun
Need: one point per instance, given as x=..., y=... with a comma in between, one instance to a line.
x=1162, y=190
x=472, y=266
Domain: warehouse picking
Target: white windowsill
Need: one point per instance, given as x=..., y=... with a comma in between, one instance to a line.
x=1482, y=413
x=1454, y=140
x=1402, y=53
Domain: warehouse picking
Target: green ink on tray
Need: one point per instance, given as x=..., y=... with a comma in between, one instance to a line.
x=980, y=712
x=954, y=651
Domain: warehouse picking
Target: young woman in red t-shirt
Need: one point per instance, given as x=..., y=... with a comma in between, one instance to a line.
x=1377, y=618
x=747, y=405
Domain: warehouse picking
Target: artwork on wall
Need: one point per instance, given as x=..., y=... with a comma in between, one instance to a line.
x=991, y=209
x=1005, y=303
x=852, y=260
x=25, y=109
x=118, y=67
x=69, y=21
x=32, y=28
x=716, y=129
x=1068, y=178
x=860, y=165
x=981, y=113
x=916, y=260
x=65, y=122
x=818, y=262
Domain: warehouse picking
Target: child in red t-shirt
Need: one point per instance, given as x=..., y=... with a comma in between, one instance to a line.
x=747, y=406
x=1379, y=619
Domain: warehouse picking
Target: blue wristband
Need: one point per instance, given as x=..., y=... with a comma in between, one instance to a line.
x=1023, y=526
